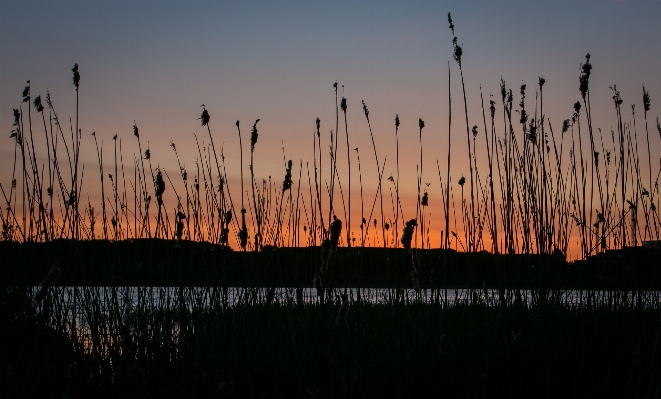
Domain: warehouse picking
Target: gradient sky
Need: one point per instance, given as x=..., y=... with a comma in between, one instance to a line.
x=156, y=62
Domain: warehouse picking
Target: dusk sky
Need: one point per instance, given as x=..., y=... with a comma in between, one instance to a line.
x=156, y=63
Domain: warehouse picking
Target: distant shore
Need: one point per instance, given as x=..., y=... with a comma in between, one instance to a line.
x=168, y=263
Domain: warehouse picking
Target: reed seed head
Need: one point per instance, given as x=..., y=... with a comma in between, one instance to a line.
x=421, y=123
x=425, y=199
x=135, y=130
x=596, y=159
x=367, y=112
x=243, y=237
x=159, y=184
x=76, y=75
x=253, y=136
x=541, y=82
x=335, y=231
x=26, y=92
x=522, y=104
x=462, y=181
x=407, y=234
x=205, y=116
x=474, y=131
x=72, y=198
x=583, y=85
x=180, y=230
x=586, y=68
x=450, y=23
x=577, y=107
x=646, y=99
x=458, y=51
x=616, y=96
x=503, y=89
x=287, y=183
x=37, y=104
x=584, y=79
x=397, y=120
x=343, y=105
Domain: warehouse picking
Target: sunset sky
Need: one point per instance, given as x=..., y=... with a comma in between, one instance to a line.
x=156, y=63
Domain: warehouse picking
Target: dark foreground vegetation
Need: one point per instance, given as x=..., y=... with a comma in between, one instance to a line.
x=605, y=346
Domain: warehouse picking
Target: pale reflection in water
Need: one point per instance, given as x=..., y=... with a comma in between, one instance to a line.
x=99, y=316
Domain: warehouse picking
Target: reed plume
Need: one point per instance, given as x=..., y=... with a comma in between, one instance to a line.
x=48, y=281
x=407, y=234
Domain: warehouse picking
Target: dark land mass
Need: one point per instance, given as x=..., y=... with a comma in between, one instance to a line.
x=156, y=262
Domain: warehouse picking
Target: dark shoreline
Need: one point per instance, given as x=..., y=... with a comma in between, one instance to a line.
x=156, y=262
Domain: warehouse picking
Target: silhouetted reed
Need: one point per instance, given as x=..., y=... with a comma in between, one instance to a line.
x=50, y=278
x=407, y=234
x=379, y=172
x=540, y=192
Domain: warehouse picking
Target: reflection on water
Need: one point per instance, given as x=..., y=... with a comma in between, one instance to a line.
x=96, y=316
x=83, y=300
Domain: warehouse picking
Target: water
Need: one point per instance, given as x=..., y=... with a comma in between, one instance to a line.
x=79, y=299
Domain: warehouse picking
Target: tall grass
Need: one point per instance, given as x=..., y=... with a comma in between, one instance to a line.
x=541, y=192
